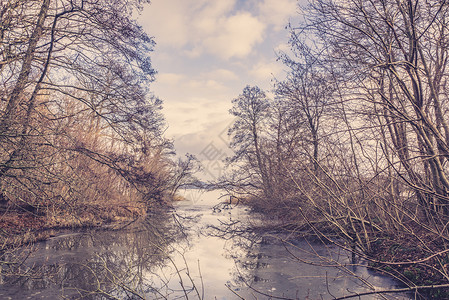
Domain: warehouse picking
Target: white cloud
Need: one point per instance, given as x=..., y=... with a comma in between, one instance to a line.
x=283, y=47
x=266, y=70
x=165, y=20
x=207, y=51
x=190, y=114
x=216, y=8
x=179, y=87
x=206, y=18
x=169, y=78
x=222, y=75
x=214, y=133
x=210, y=84
x=235, y=36
x=278, y=12
x=203, y=27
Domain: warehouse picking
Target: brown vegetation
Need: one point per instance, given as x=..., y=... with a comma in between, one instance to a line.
x=81, y=137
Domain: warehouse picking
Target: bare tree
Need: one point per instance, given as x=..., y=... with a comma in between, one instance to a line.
x=251, y=110
x=395, y=52
x=366, y=101
x=79, y=128
x=307, y=91
x=386, y=147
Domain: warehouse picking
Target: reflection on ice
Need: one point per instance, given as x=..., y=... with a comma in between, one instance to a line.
x=194, y=253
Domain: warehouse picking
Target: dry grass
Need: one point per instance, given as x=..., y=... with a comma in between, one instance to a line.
x=21, y=227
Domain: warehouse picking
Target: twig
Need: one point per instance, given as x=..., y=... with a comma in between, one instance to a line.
x=232, y=291
x=403, y=290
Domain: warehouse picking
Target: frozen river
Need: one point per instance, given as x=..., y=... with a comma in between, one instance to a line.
x=194, y=252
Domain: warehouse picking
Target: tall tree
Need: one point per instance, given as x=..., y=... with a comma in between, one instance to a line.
x=396, y=52
x=307, y=92
x=74, y=86
x=251, y=110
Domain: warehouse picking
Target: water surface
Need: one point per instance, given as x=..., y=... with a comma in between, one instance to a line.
x=187, y=253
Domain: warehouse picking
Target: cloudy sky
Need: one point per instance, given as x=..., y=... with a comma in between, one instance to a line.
x=207, y=52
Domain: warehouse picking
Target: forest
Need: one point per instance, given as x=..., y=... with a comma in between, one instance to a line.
x=353, y=146
x=81, y=134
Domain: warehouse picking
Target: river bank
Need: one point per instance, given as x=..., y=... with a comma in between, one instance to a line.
x=20, y=226
x=415, y=256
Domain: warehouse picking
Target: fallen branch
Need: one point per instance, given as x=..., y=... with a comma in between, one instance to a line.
x=403, y=290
